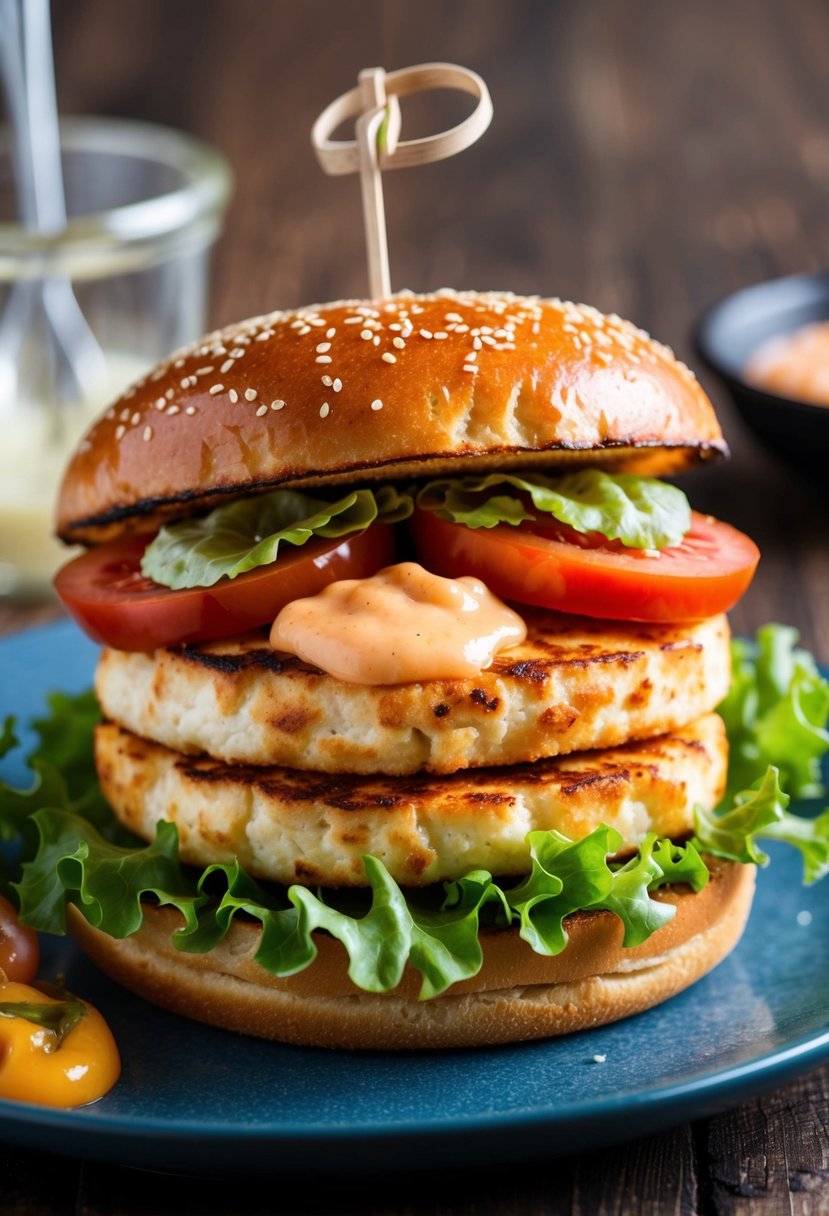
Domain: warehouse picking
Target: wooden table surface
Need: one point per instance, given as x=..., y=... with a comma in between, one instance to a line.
x=646, y=156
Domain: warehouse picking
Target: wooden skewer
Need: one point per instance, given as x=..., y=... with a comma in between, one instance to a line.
x=375, y=105
x=369, y=126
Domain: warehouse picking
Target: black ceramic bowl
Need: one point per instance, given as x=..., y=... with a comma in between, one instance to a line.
x=730, y=332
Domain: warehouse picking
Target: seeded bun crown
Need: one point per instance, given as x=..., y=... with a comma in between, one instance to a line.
x=373, y=390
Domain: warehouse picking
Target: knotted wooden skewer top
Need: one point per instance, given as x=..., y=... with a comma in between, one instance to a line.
x=374, y=103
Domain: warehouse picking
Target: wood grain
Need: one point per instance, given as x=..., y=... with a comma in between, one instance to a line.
x=646, y=156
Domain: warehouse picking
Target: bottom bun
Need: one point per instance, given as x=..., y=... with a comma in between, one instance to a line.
x=517, y=995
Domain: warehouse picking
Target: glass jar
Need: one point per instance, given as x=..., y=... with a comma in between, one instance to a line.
x=145, y=204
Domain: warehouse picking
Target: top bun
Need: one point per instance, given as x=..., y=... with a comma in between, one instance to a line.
x=369, y=390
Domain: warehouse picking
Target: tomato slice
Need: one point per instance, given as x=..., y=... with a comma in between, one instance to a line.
x=106, y=593
x=550, y=566
x=19, y=946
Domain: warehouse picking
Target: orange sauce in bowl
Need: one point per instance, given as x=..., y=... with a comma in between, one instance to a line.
x=794, y=365
x=61, y=1057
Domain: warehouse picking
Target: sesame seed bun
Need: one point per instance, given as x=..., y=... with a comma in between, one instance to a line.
x=399, y=388
x=518, y=995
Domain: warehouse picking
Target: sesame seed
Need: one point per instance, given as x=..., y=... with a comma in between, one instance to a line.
x=119, y=431
x=227, y=365
x=477, y=343
x=323, y=359
x=441, y=333
x=306, y=329
x=470, y=367
x=453, y=316
x=471, y=356
x=354, y=320
x=375, y=341
x=161, y=403
x=395, y=327
x=388, y=357
x=377, y=405
x=191, y=409
x=204, y=371
x=425, y=333
x=263, y=409
x=216, y=388
x=327, y=381
x=279, y=404
x=322, y=347
x=366, y=335
x=148, y=434
x=337, y=385
x=238, y=352
x=234, y=396
x=170, y=394
x=136, y=418
x=399, y=343
x=329, y=333
x=250, y=394
x=325, y=409
x=173, y=409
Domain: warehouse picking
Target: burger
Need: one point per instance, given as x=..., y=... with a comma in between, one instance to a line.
x=409, y=676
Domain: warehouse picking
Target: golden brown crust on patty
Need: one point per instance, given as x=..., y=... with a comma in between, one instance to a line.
x=497, y=380
x=292, y=826
x=576, y=683
x=517, y=995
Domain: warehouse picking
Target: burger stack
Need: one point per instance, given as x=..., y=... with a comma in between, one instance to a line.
x=261, y=757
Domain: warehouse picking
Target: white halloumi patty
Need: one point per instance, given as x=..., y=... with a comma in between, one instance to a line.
x=314, y=828
x=575, y=683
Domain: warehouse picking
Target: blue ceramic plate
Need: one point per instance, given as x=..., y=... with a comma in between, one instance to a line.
x=197, y=1100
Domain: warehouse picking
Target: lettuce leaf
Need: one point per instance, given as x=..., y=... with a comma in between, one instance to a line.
x=247, y=533
x=760, y=813
x=775, y=713
x=239, y=536
x=640, y=512
x=73, y=863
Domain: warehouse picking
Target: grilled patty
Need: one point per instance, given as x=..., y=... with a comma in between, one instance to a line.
x=293, y=826
x=574, y=684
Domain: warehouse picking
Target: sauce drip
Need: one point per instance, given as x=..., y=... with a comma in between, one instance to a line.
x=402, y=625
